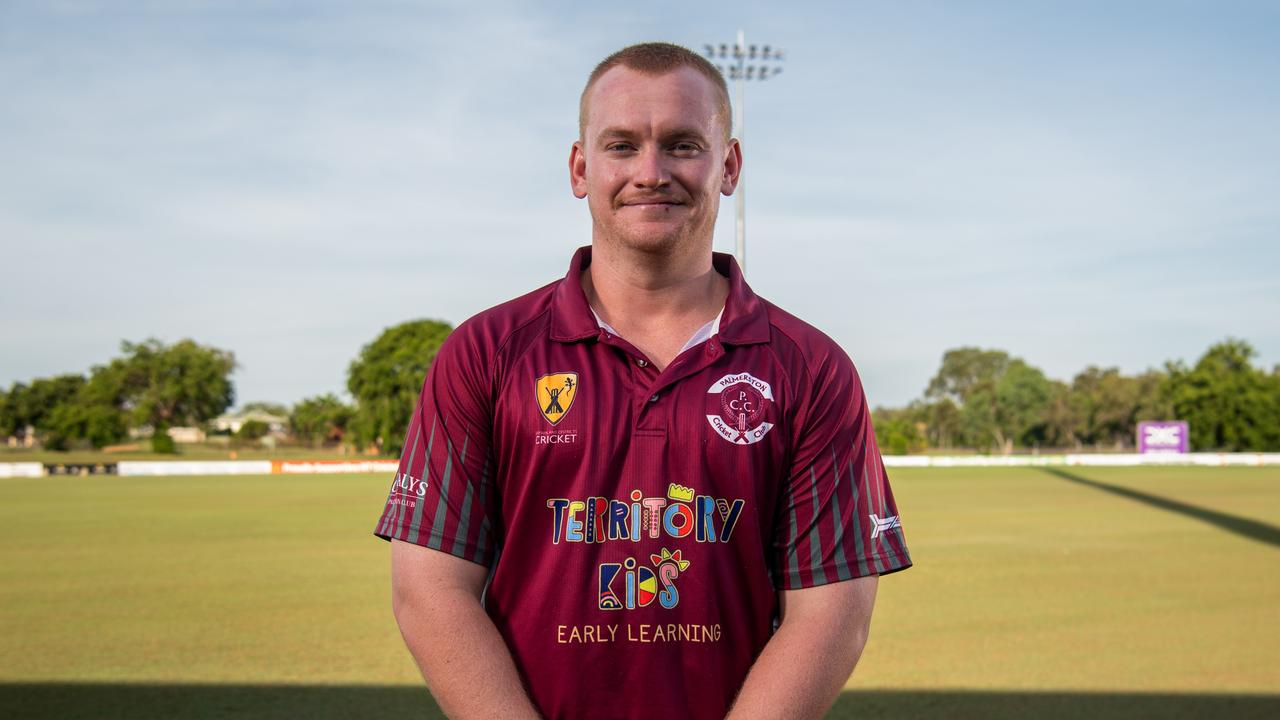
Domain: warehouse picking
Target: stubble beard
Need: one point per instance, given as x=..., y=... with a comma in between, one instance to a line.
x=684, y=239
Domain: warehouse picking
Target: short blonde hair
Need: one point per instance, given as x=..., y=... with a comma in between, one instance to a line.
x=659, y=58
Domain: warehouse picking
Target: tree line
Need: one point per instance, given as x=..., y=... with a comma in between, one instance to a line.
x=159, y=386
x=150, y=384
x=984, y=400
x=989, y=401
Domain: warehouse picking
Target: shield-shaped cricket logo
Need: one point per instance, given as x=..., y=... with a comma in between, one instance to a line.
x=555, y=394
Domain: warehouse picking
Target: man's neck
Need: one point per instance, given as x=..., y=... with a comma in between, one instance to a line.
x=655, y=302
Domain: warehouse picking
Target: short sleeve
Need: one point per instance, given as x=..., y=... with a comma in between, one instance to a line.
x=442, y=494
x=838, y=519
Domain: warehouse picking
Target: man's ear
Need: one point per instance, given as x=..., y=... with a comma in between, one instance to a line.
x=732, y=167
x=578, y=170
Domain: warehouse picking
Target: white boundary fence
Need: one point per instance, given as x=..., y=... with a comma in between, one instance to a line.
x=1116, y=460
x=216, y=467
x=8, y=470
x=269, y=467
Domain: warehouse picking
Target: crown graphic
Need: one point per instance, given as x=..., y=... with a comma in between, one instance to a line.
x=676, y=491
x=667, y=556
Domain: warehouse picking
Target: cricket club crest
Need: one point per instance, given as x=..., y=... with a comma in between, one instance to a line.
x=554, y=394
x=739, y=407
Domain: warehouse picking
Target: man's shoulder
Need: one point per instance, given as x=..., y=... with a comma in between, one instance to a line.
x=797, y=341
x=818, y=367
x=490, y=331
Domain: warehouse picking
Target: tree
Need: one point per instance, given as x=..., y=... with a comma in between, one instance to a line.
x=99, y=412
x=998, y=400
x=252, y=430
x=898, y=432
x=65, y=409
x=1023, y=397
x=1108, y=405
x=98, y=423
x=386, y=379
x=320, y=419
x=1105, y=402
x=963, y=394
x=34, y=404
x=156, y=384
x=180, y=384
x=941, y=421
x=1153, y=400
x=37, y=405
x=965, y=371
x=8, y=420
x=1059, y=419
x=1230, y=404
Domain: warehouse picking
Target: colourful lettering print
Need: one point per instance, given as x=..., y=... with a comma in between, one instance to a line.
x=598, y=520
x=640, y=585
x=630, y=584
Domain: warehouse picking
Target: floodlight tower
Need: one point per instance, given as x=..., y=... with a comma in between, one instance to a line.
x=743, y=62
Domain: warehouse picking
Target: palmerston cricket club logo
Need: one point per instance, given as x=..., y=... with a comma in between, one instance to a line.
x=555, y=394
x=740, y=408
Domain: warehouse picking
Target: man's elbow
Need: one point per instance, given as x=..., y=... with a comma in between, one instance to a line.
x=855, y=643
x=401, y=603
x=851, y=640
x=417, y=614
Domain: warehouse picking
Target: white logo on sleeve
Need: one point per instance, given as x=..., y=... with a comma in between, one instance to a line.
x=879, y=525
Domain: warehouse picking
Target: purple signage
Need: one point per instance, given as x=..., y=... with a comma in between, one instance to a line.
x=1163, y=436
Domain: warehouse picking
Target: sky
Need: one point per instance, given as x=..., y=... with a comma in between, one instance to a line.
x=1083, y=183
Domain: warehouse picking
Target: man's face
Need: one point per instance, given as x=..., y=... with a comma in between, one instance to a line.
x=653, y=160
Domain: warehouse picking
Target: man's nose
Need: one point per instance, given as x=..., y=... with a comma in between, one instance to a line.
x=652, y=169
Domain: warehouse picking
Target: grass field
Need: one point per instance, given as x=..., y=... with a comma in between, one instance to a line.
x=1035, y=593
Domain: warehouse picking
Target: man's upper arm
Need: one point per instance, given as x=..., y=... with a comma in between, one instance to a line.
x=841, y=605
x=838, y=519
x=416, y=569
x=443, y=496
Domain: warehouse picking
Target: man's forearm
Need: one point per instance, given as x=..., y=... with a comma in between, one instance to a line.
x=463, y=658
x=806, y=663
x=798, y=675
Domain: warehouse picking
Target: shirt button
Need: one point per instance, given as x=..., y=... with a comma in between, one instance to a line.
x=642, y=362
x=653, y=399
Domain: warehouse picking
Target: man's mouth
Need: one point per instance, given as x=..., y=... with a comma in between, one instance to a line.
x=652, y=203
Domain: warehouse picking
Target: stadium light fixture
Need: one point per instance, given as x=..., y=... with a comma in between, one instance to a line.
x=740, y=63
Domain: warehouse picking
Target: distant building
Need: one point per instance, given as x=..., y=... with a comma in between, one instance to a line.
x=232, y=422
x=26, y=438
x=186, y=435
x=182, y=435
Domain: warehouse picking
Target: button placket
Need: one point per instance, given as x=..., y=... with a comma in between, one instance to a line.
x=684, y=366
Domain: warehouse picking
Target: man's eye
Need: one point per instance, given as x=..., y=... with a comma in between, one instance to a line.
x=685, y=148
x=617, y=147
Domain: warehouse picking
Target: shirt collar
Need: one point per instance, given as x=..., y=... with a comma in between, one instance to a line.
x=701, y=335
x=744, y=320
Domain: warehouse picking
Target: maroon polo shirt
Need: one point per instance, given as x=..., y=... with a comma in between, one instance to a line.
x=638, y=524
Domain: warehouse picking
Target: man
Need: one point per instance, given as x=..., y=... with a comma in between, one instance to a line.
x=641, y=491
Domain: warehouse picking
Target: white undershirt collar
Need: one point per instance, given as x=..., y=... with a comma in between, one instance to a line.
x=701, y=335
